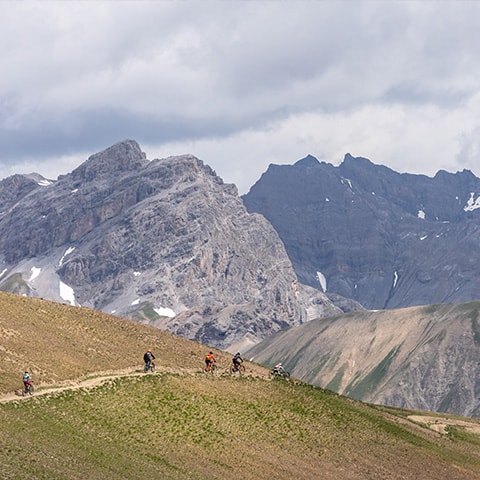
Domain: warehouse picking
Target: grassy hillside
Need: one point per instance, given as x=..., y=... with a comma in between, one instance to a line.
x=182, y=424
x=57, y=342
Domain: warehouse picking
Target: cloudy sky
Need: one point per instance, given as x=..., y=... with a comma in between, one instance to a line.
x=241, y=84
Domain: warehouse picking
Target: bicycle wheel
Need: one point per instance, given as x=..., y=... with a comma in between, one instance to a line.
x=213, y=368
x=240, y=370
x=27, y=390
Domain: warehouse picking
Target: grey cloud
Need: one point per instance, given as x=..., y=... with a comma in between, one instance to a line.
x=84, y=75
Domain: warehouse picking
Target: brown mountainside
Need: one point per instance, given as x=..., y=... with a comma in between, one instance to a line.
x=58, y=342
x=418, y=357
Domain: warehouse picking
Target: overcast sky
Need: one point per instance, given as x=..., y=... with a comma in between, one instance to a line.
x=241, y=84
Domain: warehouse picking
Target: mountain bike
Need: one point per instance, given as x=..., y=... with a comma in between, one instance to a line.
x=149, y=367
x=28, y=389
x=212, y=368
x=240, y=369
x=279, y=374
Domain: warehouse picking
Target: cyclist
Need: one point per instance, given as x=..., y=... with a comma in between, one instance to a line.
x=148, y=358
x=278, y=368
x=27, y=379
x=237, y=360
x=209, y=361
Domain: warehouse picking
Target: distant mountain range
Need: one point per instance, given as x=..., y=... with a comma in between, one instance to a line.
x=165, y=242
x=366, y=232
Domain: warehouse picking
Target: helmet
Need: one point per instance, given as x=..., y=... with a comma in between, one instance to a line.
x=26, y=371
x=149, y=350
x=238, y=353
x=211, y=353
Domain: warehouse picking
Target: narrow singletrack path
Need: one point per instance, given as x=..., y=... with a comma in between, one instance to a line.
x=90, y=381
x=97, y=378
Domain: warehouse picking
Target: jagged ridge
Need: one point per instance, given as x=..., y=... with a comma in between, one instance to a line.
x=384, y=239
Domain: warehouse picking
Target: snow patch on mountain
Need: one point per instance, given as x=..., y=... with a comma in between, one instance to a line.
x=67, y=252
x=165, y=312
x=472, y=204
x=322, y=280
x=67, y=293
x=44, y=182
x=344, y=180
x=35, y=273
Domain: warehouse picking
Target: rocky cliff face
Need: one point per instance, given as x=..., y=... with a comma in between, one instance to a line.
x=163, y=241
x=418, y=358
x=384, y=239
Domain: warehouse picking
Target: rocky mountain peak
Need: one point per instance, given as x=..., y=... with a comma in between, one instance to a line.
x=361, y=166
x=121, y=157
x=15, y=187
x=385, y=239
x=308, y=161
x=464, y=178
x=164, y=241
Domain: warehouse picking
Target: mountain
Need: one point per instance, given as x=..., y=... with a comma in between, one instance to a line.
x=366, y=232
x=96, y=415
x=165, y=242
x=418, y=357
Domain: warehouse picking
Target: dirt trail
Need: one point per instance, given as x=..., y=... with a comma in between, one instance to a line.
x=441, y=424
x=98, y=378
x=89, y=382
